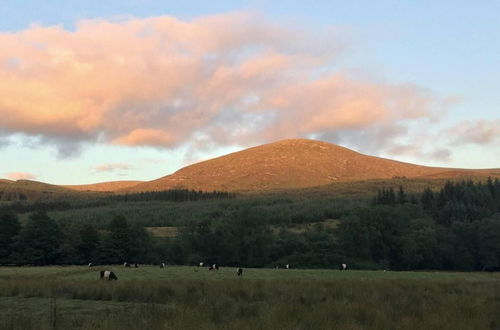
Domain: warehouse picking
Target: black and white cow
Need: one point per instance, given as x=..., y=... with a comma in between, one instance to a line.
x=90, y=264
x=108, y=275
x=239, y=271
x=343, y=267
x=213, y=267
x=201, y=264
x=126, y=264
x=287, y=266
x=162, y=265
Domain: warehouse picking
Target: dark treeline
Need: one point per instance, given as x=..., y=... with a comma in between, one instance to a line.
x=454, y=228
x=173, y=195
x=43, y=241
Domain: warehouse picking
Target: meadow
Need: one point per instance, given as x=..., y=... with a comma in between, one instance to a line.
x=182, y=297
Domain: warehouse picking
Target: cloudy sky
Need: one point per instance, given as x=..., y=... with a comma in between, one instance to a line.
x=116, y=90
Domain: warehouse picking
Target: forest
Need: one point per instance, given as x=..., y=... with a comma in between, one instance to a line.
x=455, y=227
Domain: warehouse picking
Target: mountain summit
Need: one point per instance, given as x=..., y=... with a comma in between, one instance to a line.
x=292, y=163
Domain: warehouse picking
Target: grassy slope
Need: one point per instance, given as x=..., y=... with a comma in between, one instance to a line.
x=34, y=190
x=192, y=298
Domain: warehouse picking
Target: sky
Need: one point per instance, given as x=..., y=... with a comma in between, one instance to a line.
x=94, y=91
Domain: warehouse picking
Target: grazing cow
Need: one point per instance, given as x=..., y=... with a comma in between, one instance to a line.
x=213, y=267
x=90, y=264
x=201, y=264
x=126, y=264
x=342, y=267
x=162, y=265
x=239, y=271
x=108, y=275
x=287, y=266
x=135, y=266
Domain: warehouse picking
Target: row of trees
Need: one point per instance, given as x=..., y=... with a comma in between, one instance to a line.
x=404, y=237
x=455, y=228
x=22, y=205
x=42, y=241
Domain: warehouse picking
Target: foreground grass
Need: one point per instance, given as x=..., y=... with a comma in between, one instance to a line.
x=182, y=298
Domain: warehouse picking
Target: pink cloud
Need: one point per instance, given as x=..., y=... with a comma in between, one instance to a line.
x=482, y=132
x=230, y=79
x=111, y=167
x=143, y=136
x=20, y=176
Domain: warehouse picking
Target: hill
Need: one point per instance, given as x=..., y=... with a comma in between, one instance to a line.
x=30, y=190
x=104, y=186
x=294, y=163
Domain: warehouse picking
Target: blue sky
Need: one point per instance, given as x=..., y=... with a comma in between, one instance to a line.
x=446, y=51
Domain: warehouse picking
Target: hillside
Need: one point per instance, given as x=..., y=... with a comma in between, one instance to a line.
x=30, y=190
x=293, y=163
x=104, y=186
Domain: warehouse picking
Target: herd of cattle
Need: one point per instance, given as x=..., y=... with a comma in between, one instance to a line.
x=111, y=276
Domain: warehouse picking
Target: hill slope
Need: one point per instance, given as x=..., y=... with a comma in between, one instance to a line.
x=293, y=163
x=30, y=190
x=104, y=186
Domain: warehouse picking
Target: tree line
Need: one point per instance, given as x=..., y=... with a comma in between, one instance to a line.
x=43, y=241
x=172, y=195
x=454, y=228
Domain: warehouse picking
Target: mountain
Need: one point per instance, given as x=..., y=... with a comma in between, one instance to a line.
x=104, y=186
x=293, y=163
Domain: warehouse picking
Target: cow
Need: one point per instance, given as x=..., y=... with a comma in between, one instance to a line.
x=287, y=266
x=342, y=267
x=108, y=275
x=136, y=266
x=201, y=264
x=213, y=267
x=162, y=265
x=126, y=265
x=239, y=271
x=90, y=264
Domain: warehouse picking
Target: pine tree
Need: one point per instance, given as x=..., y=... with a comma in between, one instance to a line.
x=402, y=199
x=115, y=247
x=9, y=229
x=89, y=243
x=38, y=241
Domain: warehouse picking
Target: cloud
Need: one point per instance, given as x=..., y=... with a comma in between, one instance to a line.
x=20, y=176
x=416, y=151
x=230, y=79
x=112, y=167
x=481, y=132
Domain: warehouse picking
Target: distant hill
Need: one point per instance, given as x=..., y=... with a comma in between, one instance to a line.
x=294, y=163
x=104, y=186
x=30, y=190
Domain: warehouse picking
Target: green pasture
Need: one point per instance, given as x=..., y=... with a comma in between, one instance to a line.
x=182, y=297
x=149, y=272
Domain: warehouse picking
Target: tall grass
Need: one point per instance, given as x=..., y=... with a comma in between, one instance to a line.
x=245, y=303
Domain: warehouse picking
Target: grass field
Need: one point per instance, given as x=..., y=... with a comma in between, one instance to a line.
x=192, y=298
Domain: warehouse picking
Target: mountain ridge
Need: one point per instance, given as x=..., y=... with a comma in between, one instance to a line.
x=289, y=164
x=281, y=165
